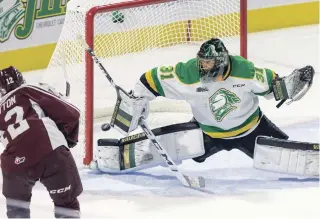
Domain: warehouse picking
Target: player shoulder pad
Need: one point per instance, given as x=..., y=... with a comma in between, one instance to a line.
x=44, y=88
x=241, y=68
x=188, y=72
x=20, y=89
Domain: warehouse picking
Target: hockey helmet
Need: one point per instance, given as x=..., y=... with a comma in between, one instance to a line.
x=212, y=58
x=10, y=79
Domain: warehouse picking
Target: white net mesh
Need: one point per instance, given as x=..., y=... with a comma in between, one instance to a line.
x=131, y=41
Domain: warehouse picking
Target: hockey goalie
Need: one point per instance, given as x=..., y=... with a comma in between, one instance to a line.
x=223, y=92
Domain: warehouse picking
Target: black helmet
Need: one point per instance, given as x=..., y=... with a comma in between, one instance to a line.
x=215, y=52
x=10, y=79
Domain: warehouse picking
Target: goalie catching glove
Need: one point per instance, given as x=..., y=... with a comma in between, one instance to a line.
x=128, y=112
x=295, y=85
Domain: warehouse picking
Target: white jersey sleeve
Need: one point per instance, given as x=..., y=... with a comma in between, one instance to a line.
x=261, y=83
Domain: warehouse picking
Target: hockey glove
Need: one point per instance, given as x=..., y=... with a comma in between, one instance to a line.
x=128, y=111
x=293, y=86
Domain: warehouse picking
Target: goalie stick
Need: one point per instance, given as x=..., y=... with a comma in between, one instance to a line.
x=189, y=181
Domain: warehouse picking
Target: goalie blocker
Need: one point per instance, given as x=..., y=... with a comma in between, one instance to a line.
x=128, y=112
x=185, y=141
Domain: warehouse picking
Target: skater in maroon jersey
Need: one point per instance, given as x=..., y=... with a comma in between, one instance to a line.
x=37, y=128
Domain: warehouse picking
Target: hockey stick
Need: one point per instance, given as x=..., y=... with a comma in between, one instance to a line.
x=280, y=103
x=195, y=182
x=64, y=66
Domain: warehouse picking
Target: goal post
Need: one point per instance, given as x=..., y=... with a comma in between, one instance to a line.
x=138, y=33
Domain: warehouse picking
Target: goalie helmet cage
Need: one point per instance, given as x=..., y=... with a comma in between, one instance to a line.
x=113, y=28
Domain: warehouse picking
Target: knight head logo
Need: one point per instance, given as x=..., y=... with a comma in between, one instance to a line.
x=211, y=51
x=222, y=102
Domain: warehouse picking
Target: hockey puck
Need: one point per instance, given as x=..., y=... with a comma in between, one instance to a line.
x=105, y=127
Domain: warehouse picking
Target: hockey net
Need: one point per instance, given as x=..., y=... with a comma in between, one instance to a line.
x=131, y=38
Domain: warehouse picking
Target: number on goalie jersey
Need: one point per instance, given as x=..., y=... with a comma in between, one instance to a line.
x=36, y=129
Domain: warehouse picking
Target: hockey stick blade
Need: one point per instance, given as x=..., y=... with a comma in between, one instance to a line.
x=67, y=89
x=64, y=68
x=196, y=181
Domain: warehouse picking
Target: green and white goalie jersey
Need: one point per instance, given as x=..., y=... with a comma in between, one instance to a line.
x=226, y=109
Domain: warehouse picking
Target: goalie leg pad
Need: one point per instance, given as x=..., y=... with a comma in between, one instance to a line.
x=109, y=159
x=284, y=156
x=109, y=156
x=141, y=154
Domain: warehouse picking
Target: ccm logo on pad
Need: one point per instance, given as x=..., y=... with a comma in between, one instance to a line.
x=58, y=191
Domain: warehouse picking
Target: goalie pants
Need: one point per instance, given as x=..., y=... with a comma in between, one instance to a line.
x=58, y=173
x=245, y=144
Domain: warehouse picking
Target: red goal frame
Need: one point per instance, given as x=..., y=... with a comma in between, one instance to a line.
x=89, y=37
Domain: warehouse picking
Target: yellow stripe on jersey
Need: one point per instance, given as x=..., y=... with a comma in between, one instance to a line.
x=234, y=132
x=227, y=73
x=274, y=75
x=151, y=81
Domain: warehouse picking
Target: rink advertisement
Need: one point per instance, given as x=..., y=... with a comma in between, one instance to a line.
x=26, y=23
x=30, y=28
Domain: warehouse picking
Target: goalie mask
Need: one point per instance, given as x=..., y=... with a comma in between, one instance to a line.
x=10, y=79
x=212, y=59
